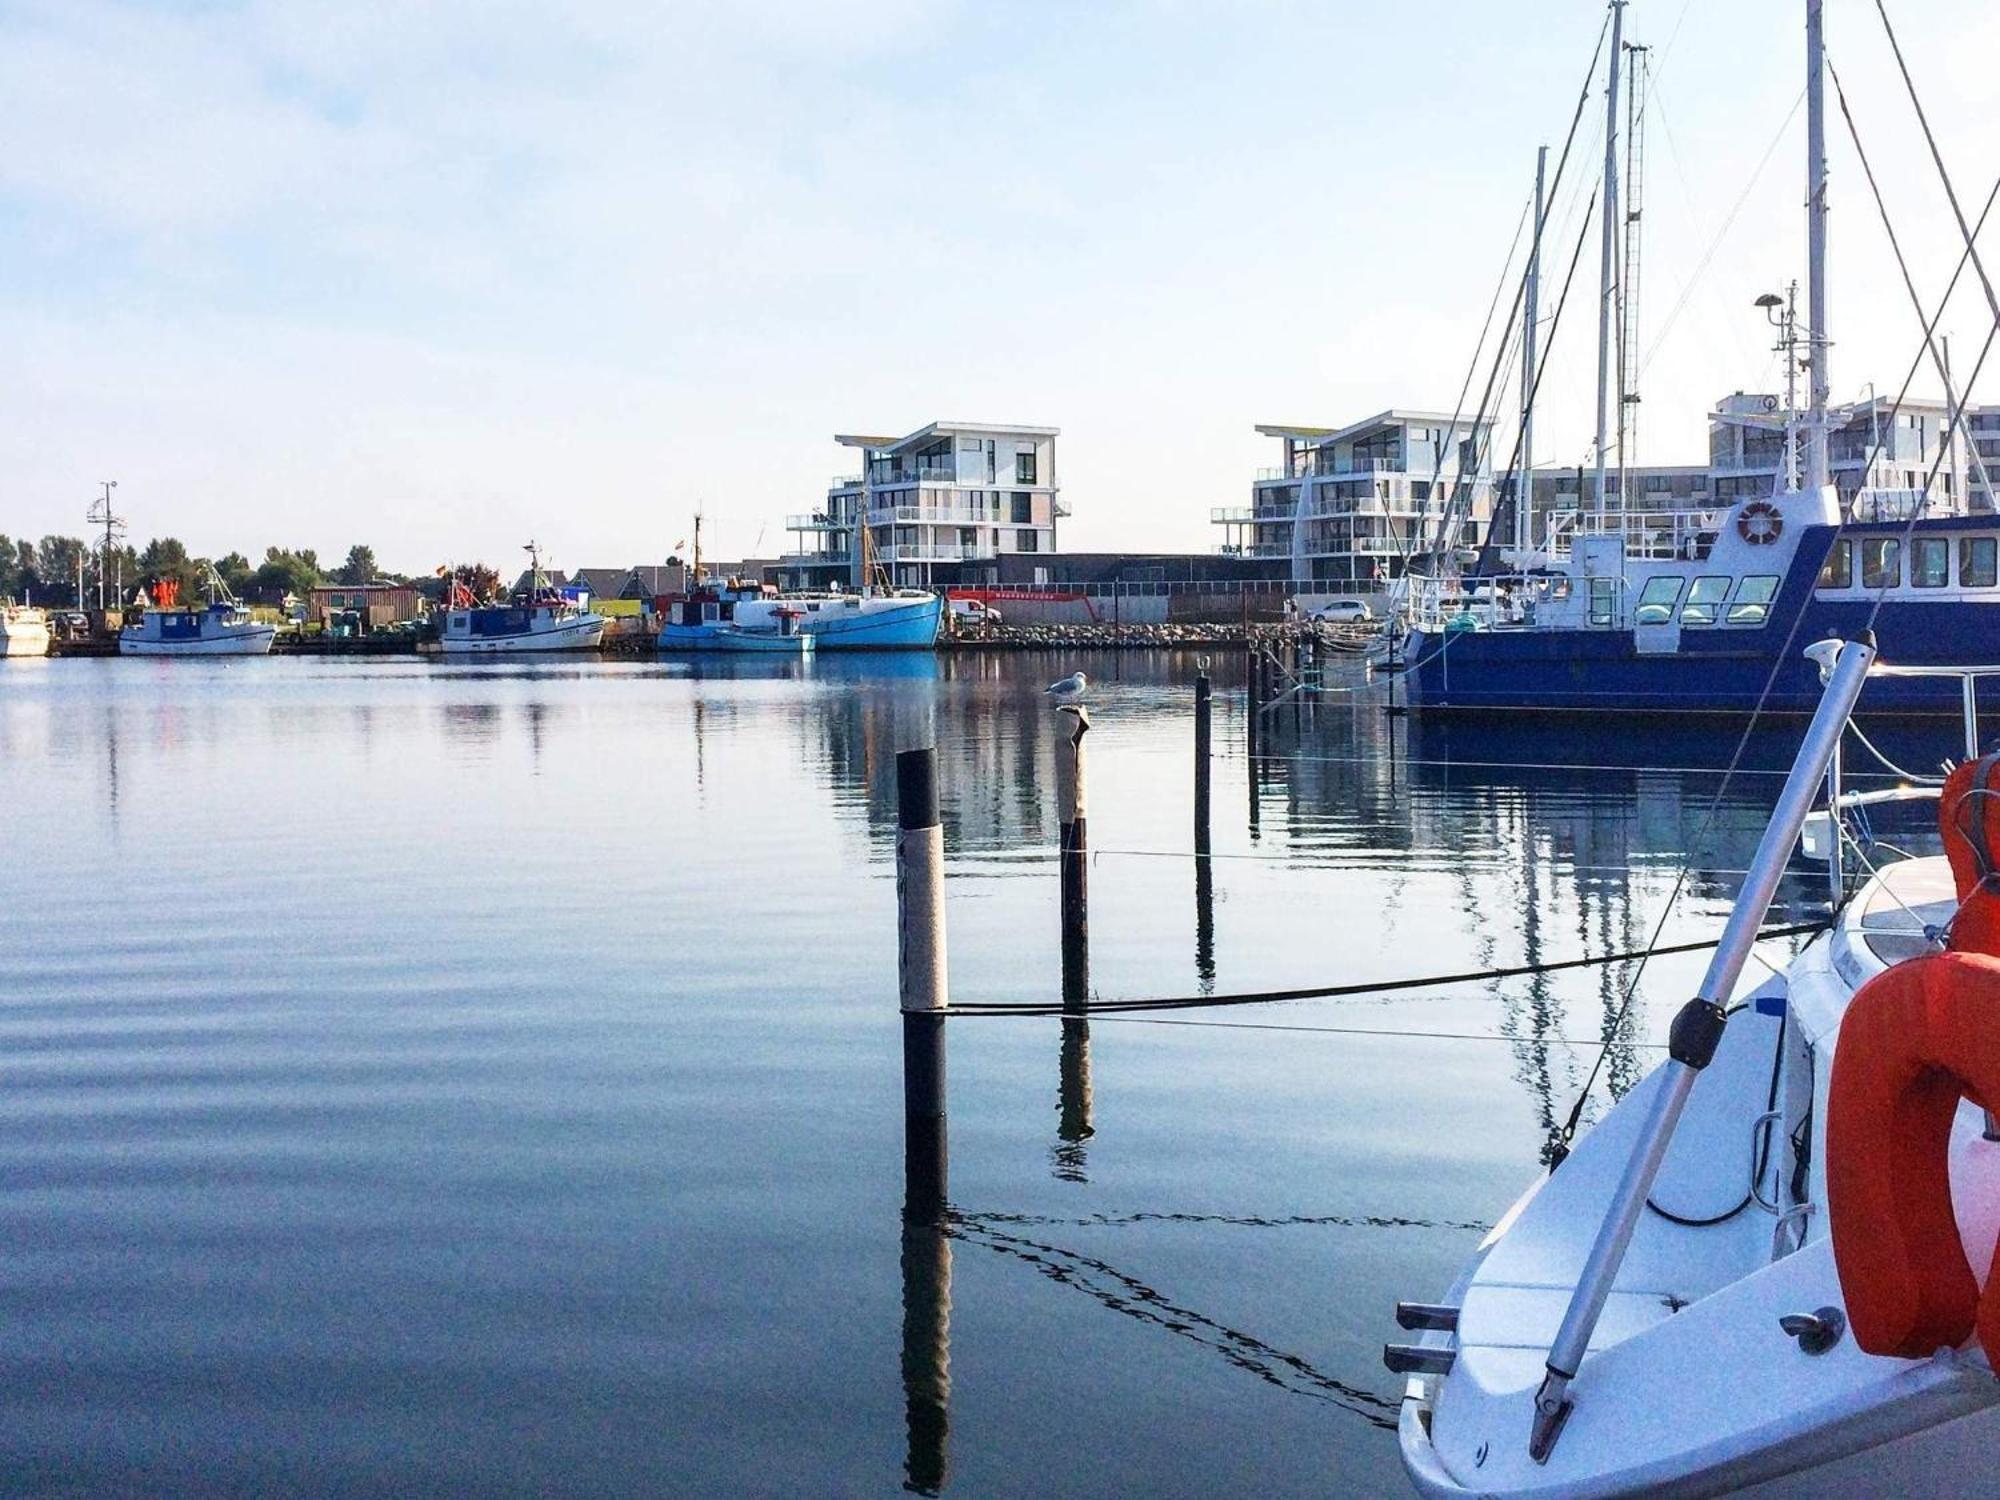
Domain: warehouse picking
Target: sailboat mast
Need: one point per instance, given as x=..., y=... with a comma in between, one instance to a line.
x=1523, y=496
x=1817, y=475
x=1607, y=283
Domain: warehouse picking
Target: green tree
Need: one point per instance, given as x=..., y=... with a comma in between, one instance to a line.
x=482, y=581
x=20, y=558
x=288, y=572
x=165, y=560
x=360, y=566
x=235, y=571
x=10, y=584
x=55, y=561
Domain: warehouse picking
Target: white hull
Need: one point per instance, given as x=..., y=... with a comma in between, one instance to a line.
x=24, y=637
x=254, y=640
x=577, y=635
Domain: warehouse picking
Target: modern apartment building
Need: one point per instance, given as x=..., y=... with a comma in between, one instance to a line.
x=1873, y=446
x=1350, y=506
x=941, y=507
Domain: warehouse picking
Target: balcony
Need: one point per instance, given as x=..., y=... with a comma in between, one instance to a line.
x=904, y=515
x=815, y=559
x=818, y=520
x=1230, y=515
x=938, y=554
x=844, y=482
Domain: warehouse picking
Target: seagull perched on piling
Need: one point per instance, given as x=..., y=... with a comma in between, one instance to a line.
x=1071, y=686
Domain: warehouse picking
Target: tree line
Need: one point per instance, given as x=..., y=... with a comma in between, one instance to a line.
x=46, y=572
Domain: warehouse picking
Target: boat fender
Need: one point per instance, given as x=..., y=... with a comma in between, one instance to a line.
x=1969, y=823
x=1916, y=1039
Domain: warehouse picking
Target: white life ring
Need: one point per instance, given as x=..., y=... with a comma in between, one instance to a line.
x=1759, y=523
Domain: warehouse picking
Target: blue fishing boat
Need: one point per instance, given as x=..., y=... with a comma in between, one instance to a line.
x=706, y=621
x=1719, y=620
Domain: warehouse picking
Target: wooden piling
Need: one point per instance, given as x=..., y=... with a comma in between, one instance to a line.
x=1072, y=817
x=1202, y=695
x=923, y=984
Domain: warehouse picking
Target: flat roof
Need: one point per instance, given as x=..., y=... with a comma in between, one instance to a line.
x=940, y=429
x=1394, y=416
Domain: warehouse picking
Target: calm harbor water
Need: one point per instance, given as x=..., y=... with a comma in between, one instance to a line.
x=424, y=1079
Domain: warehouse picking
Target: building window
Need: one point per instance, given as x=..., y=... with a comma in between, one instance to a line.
x=1024, y=510
x=1024, y=467
x=1930, y=562
x=1881, y=562
x=1839, y=570
x=1027, y=541
x=1976, y=556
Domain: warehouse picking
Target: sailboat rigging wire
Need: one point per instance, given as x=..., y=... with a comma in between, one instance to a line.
x=1722, y=233
x=1910, y=776
x=1937, y=157
x=1542, y=365
x=1520, y=295
x=1364, y=987
x=1902, y=265
x=1568, y=1131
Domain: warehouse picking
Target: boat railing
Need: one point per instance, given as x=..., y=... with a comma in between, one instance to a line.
x=1968, y=676
x=1489, y=602
x=1652, y=535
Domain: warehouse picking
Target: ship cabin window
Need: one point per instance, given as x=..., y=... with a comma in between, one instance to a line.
x=1657, y=601
x=1604, y=601
x=1839, y=570
x=1930, y=562
x=1976, y=559
x=1753, y=599
x=1881, y=562
x=1705, y=600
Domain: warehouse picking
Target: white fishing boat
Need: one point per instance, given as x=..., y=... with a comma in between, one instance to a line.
x=24, y=630
x=539, y=618
x=223, y=628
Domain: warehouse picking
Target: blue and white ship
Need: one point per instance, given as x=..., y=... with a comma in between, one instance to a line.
x=706, y=620
x=1709, y=613
x=896, y=620
x=1708, y=610
x=540, y=617
x=223, y=628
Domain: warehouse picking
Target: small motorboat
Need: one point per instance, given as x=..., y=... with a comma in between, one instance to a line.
x=24, y=630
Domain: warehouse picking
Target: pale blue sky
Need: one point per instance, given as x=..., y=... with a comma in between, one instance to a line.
x=441, y=276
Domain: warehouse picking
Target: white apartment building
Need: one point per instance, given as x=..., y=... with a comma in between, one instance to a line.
x=942, y=506
x=1351, y=506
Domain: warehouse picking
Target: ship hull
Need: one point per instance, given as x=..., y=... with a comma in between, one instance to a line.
x=252, y=640
x=1733, y=671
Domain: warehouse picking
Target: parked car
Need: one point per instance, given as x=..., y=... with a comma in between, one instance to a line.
x=1344, y=612
x=972, y=614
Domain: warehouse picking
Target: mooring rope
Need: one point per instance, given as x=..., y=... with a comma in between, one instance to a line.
x=1364, y=987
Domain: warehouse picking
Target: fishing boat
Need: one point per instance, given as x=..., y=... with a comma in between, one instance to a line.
x=877, y=617
x=706, y=621
x=24, y=630
x=1702, y=610
x=898, y=620
x=540, y=617
x=222, y=628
